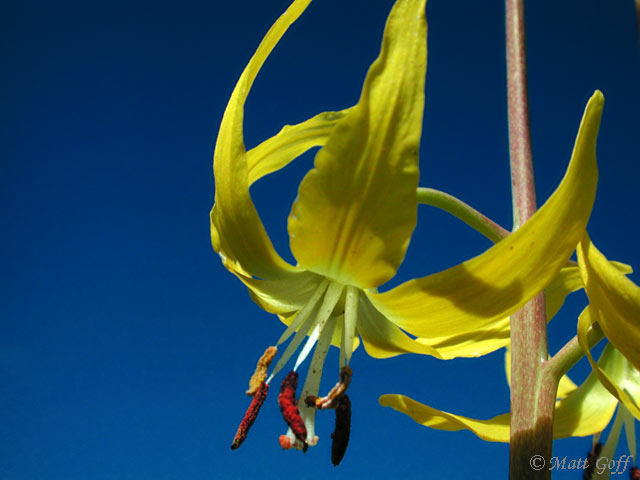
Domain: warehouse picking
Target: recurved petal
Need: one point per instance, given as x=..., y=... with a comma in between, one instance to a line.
x=565, y=387
x=476, y=343
x=624, y=383
x=356, y=209
x=495, y=429
x=589, y=409
x=493, y=285
x=613, y=299
x=289, y=143
x=237, y=233
x=381, y=338
x=496, y=335
x=585, y=411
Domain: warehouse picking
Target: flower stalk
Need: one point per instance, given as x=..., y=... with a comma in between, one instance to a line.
x=533, y=387
x=462, y=211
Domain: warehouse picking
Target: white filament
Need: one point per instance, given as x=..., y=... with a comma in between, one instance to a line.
x=305, y=312
x=328, y=304
x=609, y=448
x=314, y=375
x=349, y=327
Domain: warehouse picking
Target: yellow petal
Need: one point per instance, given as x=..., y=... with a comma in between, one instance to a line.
x=613, y=299
x=585, y=411
x=289, y=143
x=565, y=387
x=495, y=429
x=497, y=334
x=476, y=343
x=588, y=409
x=237, y=233
x=625, y=387
x=356, y=209
x=495, y=284
x=381, y=338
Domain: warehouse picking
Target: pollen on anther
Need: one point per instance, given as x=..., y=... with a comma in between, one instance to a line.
x=250, y=416
x=332, y=398
x=285, y=442
x=260, y=374
x=290, y=412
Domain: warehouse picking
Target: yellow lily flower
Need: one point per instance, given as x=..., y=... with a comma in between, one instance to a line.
x=355, y=212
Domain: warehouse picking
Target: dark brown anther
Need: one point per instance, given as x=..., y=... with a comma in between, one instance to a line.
x=592, y=458
x=342, y=430
x=290, y=412
x=250, y=415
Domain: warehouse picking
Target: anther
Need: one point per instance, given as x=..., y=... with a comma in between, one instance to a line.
x=342, y=430
x=290, y=412
x=592, y=458
x=286, y=443
x=260, y=374
x=250, y=415
x=331, y=399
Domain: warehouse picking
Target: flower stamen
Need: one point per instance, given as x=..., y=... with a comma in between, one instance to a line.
x=250, y=415
x=331, y=400
x=290, y=412
x=352, y=298
x=592, y=458
x=342, y=430
x=259, y=376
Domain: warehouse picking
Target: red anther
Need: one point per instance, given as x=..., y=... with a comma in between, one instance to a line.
x=634, y=473
x=250, y=416
x=285, y=442
x=290, y=412
x=342, y=431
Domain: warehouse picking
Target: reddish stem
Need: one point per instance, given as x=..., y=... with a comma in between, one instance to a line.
x=532, y=389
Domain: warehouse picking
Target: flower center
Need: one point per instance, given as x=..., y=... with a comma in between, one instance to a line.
x=331, y=305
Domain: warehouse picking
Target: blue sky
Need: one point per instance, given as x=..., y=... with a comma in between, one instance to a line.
x=125, y=346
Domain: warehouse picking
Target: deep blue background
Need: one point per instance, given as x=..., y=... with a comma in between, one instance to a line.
x=125, y=347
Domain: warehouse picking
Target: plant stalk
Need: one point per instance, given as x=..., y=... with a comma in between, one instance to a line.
x=462, y=211
x=533, y=387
